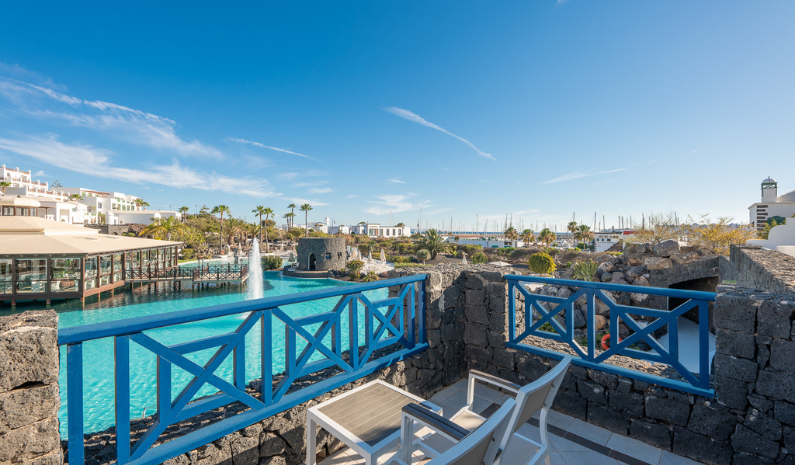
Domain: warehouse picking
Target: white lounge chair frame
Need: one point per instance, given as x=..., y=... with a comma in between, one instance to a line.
x=472, y=448
x=530, y=399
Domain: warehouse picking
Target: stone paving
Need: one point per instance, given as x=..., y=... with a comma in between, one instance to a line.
x=574, y=442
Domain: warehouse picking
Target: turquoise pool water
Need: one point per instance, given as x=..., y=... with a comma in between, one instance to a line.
x=98, y=373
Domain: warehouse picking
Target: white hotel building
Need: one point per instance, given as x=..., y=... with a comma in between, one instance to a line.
x=378, y=230
x=773, y=206
x=116, y=207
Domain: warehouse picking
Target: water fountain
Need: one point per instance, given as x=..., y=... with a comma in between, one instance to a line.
x=254, y=289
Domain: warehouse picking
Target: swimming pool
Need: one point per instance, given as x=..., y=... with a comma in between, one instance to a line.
x=98, y=375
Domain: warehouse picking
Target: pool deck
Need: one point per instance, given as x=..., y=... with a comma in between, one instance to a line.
x=573, y=441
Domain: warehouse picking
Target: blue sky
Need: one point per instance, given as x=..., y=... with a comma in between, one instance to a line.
x=539, y=109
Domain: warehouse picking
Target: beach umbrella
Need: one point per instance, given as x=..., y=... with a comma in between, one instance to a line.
x=464, y=259
x=291, y=259
x=370, y=257
x=383, y=256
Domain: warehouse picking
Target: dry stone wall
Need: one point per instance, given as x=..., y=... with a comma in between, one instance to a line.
x=29, y=395
x=763, y=269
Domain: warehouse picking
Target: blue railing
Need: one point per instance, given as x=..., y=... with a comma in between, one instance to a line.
x=401, y=325
x=640, y=332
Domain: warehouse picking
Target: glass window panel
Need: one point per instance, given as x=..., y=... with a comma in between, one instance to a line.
x=117, y=260
x=105, y=264
x=5, y=276
x=66, y=268
x=5, y=269
x=91, y=268
x=32, y=269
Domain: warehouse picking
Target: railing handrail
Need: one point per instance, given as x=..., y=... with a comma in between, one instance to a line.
x=127, y=326
x=587, y=356
x=679, y=293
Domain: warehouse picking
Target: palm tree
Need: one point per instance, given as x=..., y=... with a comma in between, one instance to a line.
x=162, y=227
x=306, y=208
x=547, y=236
x=140, y=203
x=527, y=237
x=511, y=233
x=183, y=211
x=259, y=210
x=221, y=209
x=268, y=212
x=433, y=243
x=5, y=184
x=234, y=226
x=584, y=233
x=292, y=215
x=75, y=197
x=572, y=227
x=288, y=217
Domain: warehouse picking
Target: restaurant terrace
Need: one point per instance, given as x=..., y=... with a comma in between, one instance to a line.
x=42, y=259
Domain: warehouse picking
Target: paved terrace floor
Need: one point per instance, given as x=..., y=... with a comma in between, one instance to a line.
x=574, y=442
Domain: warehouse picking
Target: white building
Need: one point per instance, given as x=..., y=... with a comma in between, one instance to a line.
x=781, y=238
x=377, y=230
x=26, y=186
x=606, y=238
x=141, y=216
x=772, y=207
x=100, y=203
x=59, y=205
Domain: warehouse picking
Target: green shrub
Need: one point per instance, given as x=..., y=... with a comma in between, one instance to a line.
x=519, y=254
x=187, y=254
x=548, y=328
x=353, y=267
x=423, y=255
x=271, y=262
x=586, y=270
x=505, y=250
x=370, y=277
x=568, y=264
x=397, y=259
x=479, y=258
x=551, y=252
x=541, y=263
x=470, y=249
x=408, y=265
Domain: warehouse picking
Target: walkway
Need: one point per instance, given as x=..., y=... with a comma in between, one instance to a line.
x=574, y=441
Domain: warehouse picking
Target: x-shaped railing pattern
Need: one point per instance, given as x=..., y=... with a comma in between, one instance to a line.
x=397, y=321
x=534, y=304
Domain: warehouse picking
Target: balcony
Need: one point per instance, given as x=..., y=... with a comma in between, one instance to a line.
x=621, y=403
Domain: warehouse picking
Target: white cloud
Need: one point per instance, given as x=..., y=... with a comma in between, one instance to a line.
x=396, y=181
x=18, y=72
x=309, y=184
x=487, y=182
x=352, y=196
x=111, y=119
x=300, y=201
x=257, y=144
x=97, y=162
x=40, y=173
x=320, y=190
x=288, y=176
x=446, y=169
x=394, y=204
x=441, y=210
x=580, y=174
x=407, y=115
